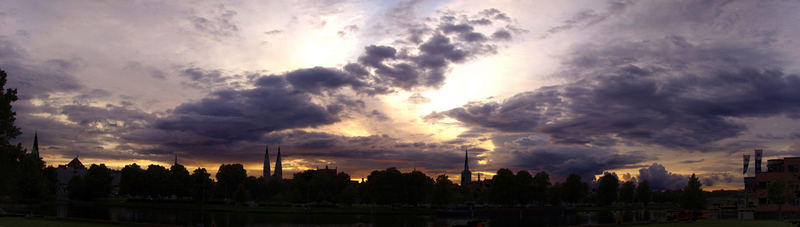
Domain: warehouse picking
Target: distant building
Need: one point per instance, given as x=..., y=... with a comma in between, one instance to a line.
x=265, y=171
x=757, y=187
x=65, y=173
x=35, y=148
x=278, y=167
x=326, y=171
x=466, y=175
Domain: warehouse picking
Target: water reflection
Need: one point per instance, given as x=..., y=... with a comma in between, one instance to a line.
x=495, y=217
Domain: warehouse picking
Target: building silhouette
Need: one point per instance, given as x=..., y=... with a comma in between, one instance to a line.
x=757, y=187
x=65, y=173
x=466, y=175
x=278, y=167
x=35, y=148
x=265, y=171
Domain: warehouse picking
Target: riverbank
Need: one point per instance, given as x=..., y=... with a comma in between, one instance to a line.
x=63, y=222
x=720, y=223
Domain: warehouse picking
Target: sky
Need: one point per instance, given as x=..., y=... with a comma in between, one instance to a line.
x=647, y=90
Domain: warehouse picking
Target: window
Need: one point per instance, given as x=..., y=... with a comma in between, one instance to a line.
x=793, y=168
x=762, y=184
x=763, y=201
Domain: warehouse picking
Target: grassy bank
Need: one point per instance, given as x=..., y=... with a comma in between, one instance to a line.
x=721, y=223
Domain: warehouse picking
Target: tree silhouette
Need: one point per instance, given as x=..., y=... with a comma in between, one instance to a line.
x=626, y=192
x=503, y=184
x=179, y=180
x=607, y=189
x=524, y=190
x=156, y=181
x=575, y=190
x=7, y=116
x=643, y=192
x=540, y=184
x=229, y=177
x=692, y=197
x=21, y=176
x=132, y=180
x=201, y=185
x=98, y=181
x=443, y=191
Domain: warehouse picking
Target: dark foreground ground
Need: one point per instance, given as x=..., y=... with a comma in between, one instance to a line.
x=49, y=222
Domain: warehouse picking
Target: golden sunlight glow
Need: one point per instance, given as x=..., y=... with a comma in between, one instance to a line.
x=323, y=46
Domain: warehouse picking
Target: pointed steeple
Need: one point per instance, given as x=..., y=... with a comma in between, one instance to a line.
x=278, y=166
x=176, y=160
x=265, y=171
x=466, y=175
x=466, y=161
x=35, y=149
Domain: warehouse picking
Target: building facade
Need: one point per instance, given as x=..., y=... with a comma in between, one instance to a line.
x=757, y=187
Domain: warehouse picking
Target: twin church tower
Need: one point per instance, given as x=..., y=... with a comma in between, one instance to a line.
x=278, y=167
x=466, y=175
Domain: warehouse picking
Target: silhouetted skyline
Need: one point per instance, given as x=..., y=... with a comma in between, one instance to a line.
x=641, y=89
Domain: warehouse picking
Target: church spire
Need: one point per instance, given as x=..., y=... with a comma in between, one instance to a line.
x=35, y=149
x=265, y=171
x=176, y=160
x=466, y=160
x=466, y=175
x=278, y=166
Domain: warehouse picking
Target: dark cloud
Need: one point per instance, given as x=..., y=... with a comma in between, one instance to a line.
x=501, y=34
x=230, y=115
x=661, y=179
x=565, y=160
x=645, y=96
x=317, y=79
x=33, y=78
x=437, y=47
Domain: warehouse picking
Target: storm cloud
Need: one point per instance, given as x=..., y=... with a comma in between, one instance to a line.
x=640, y=96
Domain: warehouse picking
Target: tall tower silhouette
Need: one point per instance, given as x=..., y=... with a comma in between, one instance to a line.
x=265, y=171
x=278, y=166
x=35, y=149
x=466, y=175
x=176, y=160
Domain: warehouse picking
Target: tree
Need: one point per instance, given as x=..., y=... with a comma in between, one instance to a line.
x=385, y=187
x=607, y=189
x=156, y=181
x=16, y=168
x=643, y=192
x=626, y=192
x=555, y=192
x=8, y=130
x=523, y=187
x=241, y=195
x=419, y=187
x=777, y=195
x=692, y=197
x=444, y=190
x=98, y=181
x=132, y=181
x=201, y=185
x=229, y=177
x=575, y=190
x=179, y=180
x=78, y=189
x=502, y=190
x=540, y=184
